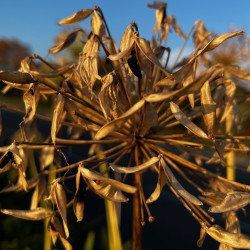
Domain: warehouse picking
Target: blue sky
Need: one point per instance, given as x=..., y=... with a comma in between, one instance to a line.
x=35, y=22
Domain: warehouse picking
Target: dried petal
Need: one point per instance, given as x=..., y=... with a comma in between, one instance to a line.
x=112, y=125
x=177, y=186
x=183, y=119
x=107, y=191
x=191, y=88
x=78, y=204
x=136, y=169
x=162, y=180
x=208, y=107
x=46, y=156
x=232, y=202
x=59, y=197
x=76, y=17
x=147, y=51
x=38, y=192
x=57, y=116
x=16, y=77
x=95, y=176
x=203, y=234
x=97, y=24
x=217, y=41
x=38, y=213
x=70, y=38
x=238, y=72
x=234, y=240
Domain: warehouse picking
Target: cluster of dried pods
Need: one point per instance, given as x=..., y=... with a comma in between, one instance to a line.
x=138, y=110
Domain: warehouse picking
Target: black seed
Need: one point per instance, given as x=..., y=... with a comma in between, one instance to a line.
x=133, y=64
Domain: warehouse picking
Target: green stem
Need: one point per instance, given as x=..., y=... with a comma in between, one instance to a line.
x=47, y=237
x=114, y=237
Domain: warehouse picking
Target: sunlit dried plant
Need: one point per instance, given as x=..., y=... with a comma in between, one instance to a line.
x=137, y=109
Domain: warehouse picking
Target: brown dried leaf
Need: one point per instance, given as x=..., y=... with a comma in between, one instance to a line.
x=234, y=240
x=127, y=39
x=217, y=41
x=177, y=28
x=177, y=186
x=162, y=180
x=19, y=187
x=123, y=54
x=232, y=222
x=54, y=73
x=208, y=107
x=22, y=180
x=55, y=229
x=46, y=156
x=183, y=119
x=70, y=38
x=59, y=197
x=232, y=202
x=65, y=243
x=57, y=116
x=144, y=46
x=103, y=96
x=38, y=213
x=157, y=5
x=89, y=65
x=203, y=234
x=76, y=17
x=160, y=13
x=150, y=118
x=16, y=77
x=5, y=161
x=107, y=191
x=200, y=34
x=97, y=24
x=238, y=72
x=95, y=176
x=112, y=125
x=78, y=204
x=38, y=192
x=223, y=246
x=136, y=169
x=193, y=87
x=186, y=75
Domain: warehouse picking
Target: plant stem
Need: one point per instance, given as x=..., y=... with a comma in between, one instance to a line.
x=114, y=237
x=231, y=155
x=137, y=227
x=47, y=237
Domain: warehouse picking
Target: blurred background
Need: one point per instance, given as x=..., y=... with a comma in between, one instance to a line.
x=31, y=27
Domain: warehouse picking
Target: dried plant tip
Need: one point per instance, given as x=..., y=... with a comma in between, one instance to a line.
x=151, y=219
